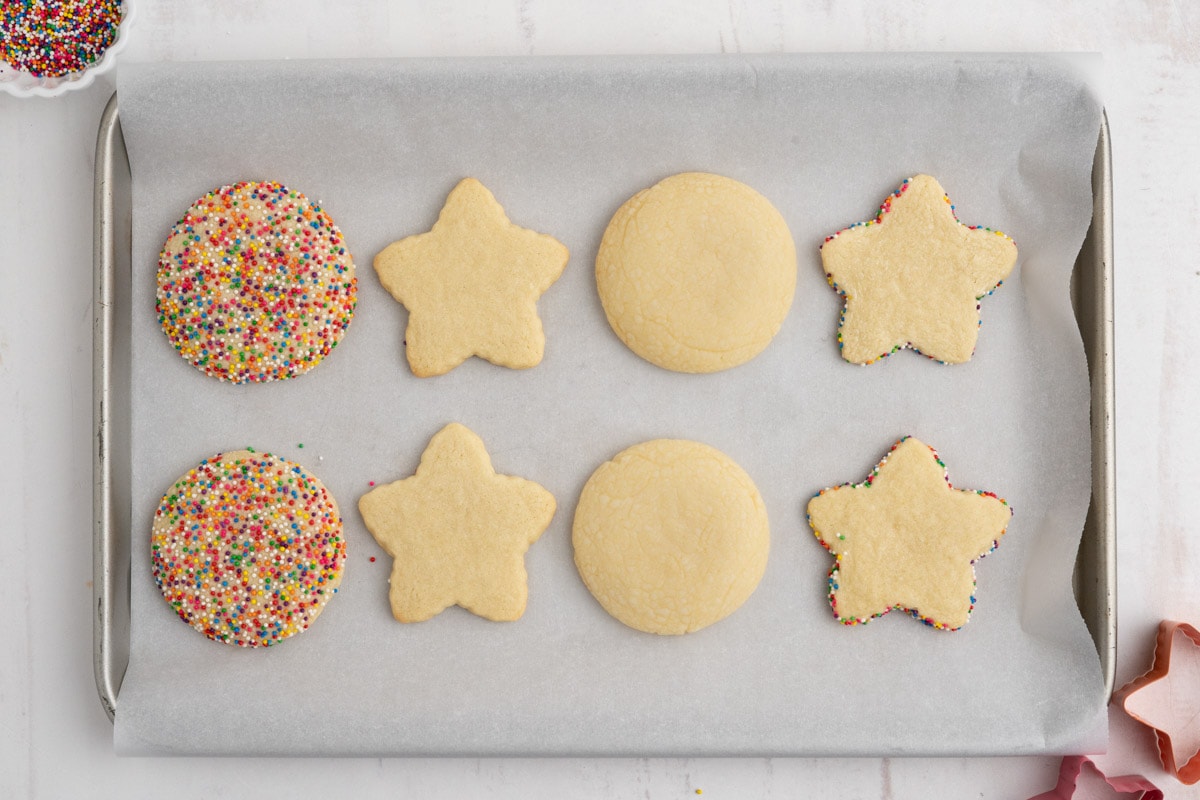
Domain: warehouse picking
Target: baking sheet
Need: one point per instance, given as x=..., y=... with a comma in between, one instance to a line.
x=562, y=143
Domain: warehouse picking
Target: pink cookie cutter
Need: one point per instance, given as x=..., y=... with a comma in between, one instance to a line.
x=1135, y=786
x=1165, y=701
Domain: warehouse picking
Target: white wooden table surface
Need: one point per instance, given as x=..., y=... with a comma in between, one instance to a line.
x=55, y=741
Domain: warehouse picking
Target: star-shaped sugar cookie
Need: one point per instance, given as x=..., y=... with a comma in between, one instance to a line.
x=914, y=276
x=471, y=285
x=1167, y=699
x=457, y=531
x=905, y=538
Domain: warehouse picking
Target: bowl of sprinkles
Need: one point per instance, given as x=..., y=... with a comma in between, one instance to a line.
x=49, y=47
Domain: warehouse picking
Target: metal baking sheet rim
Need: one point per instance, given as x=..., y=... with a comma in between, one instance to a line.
x=1091, y=289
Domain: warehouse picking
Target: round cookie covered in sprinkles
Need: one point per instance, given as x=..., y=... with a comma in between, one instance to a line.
x=248, y=548
x=255, y=284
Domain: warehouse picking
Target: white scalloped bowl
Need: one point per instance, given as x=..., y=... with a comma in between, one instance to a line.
x=22, y=84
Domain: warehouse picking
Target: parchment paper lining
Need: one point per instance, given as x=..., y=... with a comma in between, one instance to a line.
x=562, y=143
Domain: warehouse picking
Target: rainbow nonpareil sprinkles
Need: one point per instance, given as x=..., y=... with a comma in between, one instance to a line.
x=255, y=284
x=248, y=548
x=52, y=38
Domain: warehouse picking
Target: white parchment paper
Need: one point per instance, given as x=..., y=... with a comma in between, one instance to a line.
x=562, y=143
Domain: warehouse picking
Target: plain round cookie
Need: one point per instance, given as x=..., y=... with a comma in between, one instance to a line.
x=670, y=536
x=248, y=548
x=255, y=284
x=696, y=273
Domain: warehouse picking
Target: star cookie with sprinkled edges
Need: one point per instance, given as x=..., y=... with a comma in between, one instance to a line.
x=255, y=284
x=247, y=548
x=905, y=538
x=914, y=276
x=471, y=285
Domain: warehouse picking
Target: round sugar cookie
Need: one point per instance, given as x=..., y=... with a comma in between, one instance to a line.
x=696, y=273
x=670, y=536
x=248, y=548
x=255, y=284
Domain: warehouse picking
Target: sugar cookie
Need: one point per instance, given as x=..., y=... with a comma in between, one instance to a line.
x=248, y=548
x=696, y=273
x=457, y=531
x=914, y=277
x=905, y=538
x=471, y=285
x=255, y=284
x=671, y=536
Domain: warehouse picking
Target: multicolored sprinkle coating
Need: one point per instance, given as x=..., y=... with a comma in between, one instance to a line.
x=255, y=284
x=52, y=38
x=248, y=548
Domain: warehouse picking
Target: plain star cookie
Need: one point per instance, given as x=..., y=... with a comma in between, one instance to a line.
x=670, y=536
x=914, y=277
x=905, y=538
x=247, y=548
x=255, y=284
x=457, y=531
x=696, y=273
x=471, y=285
